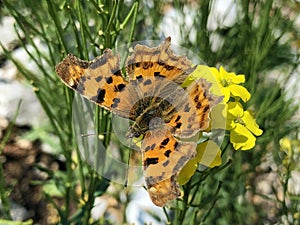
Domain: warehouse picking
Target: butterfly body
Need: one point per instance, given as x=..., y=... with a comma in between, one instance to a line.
x=162, y=111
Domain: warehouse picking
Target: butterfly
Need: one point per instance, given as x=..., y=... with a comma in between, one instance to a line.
x=167, y=115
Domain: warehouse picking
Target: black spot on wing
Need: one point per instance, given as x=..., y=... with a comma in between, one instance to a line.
x=119, y=87
x=166, y=163
x=99, y=78
x=161, y=63
x=152, y=146
x=178, y=125
x=198, y=106
x=99, y=98
x=175, y=145
x=165, y=141
x=117, y=73
x=158, y=75
x=196, y=99
x=139, y=78
x=187, y=108
x=178, y=118
x=205, y=94
x=109, y=80
x=206, y=108
x=167, y=153
x=79, y=86
x=147, y=82
x=150, y=161
x=169, y=67
x=147, y=65
x=116, y=102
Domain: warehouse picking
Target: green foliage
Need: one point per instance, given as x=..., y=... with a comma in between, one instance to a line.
x=56, y=24
x=258, y=42
x=4, y=193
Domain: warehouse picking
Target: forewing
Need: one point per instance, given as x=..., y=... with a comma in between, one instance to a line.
x=100, y=81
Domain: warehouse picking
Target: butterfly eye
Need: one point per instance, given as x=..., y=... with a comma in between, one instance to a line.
x=150, y=112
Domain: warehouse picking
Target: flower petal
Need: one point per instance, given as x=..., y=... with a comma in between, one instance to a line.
x=208, y=73
x=237, y=79
x=187, y=171
x=209, y=154
x=285, y=144
x=241, y=138
x=235, y=109
x=226, y=93
x=215, y=72
x=218, y=116
x=240, y=91
x=251, y=123
x=230, y=124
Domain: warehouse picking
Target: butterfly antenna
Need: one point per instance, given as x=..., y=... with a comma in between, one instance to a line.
x=87, y=135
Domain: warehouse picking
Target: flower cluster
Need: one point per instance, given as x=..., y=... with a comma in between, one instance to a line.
x=240, y=123
x=291, y=149
x=228, y=115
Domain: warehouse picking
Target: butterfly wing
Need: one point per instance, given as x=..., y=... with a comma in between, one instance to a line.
x=163, y=157
x=194, y=109
x=159, y=62
x=100, y=81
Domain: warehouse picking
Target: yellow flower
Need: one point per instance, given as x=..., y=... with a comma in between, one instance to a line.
x=242, y=127
x=286, y=145
x=205, y=72
x=208, y=154
x=229, y=83
x=291, y=148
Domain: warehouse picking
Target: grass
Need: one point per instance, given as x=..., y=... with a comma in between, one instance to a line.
x=257, y=43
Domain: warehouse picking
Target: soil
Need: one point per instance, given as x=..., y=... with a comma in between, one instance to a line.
x=24, y=180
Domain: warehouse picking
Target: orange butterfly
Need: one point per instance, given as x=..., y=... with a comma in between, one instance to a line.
x=166, y=114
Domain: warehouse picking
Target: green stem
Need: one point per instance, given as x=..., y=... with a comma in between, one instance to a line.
x=214, y=200
x=133, y=10
x=90, y=201
x=55, y=18
x=82, y=22
x=110, y=21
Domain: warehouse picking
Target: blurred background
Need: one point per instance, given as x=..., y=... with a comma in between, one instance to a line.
x=43, y=179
